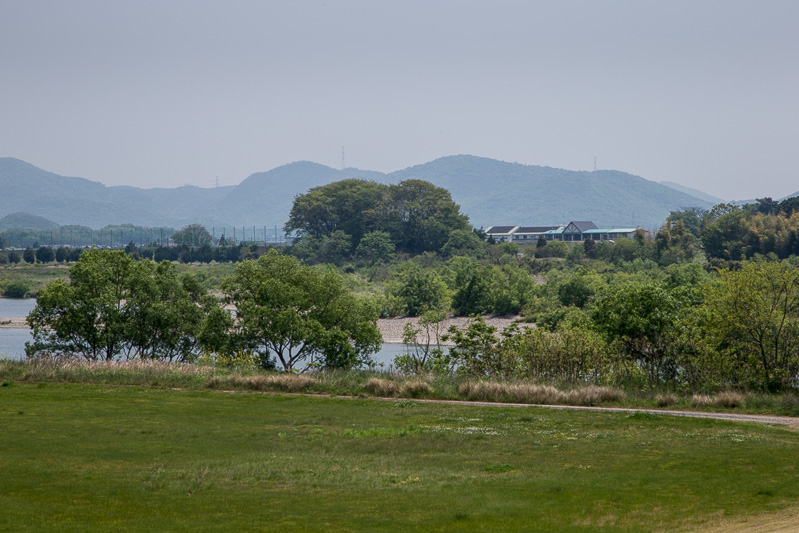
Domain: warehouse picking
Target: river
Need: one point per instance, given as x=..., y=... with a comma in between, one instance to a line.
x=12, y=340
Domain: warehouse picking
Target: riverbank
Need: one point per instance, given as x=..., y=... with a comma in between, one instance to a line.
x=392, y=329
x=15, y=323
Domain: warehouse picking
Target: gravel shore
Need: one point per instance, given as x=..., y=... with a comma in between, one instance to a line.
x=13, y=323
x=392, y=328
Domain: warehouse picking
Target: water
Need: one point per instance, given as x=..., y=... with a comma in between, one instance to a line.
x=12, y=340
x=16, y=308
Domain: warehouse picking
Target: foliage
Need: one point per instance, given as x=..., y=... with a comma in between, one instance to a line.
x=114, y=306
x=419, y=290
x=643, y=320
x=45, y=254
x=16, y=289
x=29, y=255
x=192, y=235
x=376, y=246
x=417, y=216
x=424, y=353
x=752, y=316
x=296, y=313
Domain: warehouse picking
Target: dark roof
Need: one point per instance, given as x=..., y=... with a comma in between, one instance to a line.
x=499, y=229
x=535, y=229
x=584, y=225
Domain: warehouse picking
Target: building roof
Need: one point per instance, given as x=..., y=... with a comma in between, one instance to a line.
x=493, y=230
x=610, y=230
x=583, y=225
x=536, y=229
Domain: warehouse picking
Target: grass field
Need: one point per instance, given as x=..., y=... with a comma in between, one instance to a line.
x=100, y=457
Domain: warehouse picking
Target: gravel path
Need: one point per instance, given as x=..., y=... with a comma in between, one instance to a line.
x=793, y=422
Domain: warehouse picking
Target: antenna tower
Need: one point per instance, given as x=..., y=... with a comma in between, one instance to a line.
x=342, y=159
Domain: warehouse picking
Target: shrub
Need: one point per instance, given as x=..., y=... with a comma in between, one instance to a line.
x=415, y=389
x=16, y=289
x=381, y=387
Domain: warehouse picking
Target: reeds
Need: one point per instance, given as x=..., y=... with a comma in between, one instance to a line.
x=492, y=391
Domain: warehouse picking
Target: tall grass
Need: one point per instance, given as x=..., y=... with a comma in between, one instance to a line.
x=160, y=374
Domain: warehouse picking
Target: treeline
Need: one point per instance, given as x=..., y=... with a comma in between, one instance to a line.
x=116, y=307
x=685, y=330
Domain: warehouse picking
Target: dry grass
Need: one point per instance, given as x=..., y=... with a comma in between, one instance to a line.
x=728, y=399
x=381, y=387
x=667, y=399
x=280, y=382
x=415, y=389
x=491, y=391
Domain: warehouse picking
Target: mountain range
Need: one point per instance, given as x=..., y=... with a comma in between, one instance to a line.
x=490, y=192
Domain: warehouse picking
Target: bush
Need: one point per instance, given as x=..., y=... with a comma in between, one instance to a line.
x=16, y=289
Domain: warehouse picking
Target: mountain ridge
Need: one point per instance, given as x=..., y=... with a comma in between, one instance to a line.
x=489, y=191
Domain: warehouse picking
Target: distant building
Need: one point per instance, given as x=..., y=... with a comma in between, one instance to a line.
x=574, y=231
x=531, y=233
x=501, y=233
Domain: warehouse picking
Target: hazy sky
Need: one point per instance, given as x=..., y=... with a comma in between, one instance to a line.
x=162, y=93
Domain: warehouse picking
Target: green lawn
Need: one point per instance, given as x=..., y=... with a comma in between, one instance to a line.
x=84, y=457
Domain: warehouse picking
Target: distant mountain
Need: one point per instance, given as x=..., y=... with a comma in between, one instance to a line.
x=496, y=192
x=489, y=191
x=26, y=221
x=715, y=200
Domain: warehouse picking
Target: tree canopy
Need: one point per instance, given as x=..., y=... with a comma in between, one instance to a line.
x=296, y=313
x=416, y=215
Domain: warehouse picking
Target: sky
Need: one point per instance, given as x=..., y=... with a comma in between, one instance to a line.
x=164, y=93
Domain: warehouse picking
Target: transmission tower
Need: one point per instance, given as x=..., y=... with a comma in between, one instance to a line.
x=342, y=159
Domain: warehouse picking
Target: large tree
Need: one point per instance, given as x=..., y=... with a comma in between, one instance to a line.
x=296, y=313
x=417, y=215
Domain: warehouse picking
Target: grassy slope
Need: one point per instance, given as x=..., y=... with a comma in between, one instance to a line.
x=99, y=458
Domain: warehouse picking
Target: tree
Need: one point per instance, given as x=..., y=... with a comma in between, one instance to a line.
x=296, y=313
x=61, y=254
x=45, y=254
x=165, y=313
x=753, y=315
x=29, y=255
x=114, y=306
x=350, y=206
x=463, y=242
x=589, y=248
x=376, y=246
x=192, y=235
x=419, y=290
x=85, y=316
x=643, y=319
x=13, y=257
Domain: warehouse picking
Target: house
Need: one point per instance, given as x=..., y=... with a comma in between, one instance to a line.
x=574, y=231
